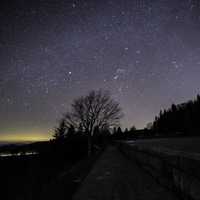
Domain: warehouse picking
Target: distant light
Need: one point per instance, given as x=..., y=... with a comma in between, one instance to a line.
x=138, y=51
x=116, y=77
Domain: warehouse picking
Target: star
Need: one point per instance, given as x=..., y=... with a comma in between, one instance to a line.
x=141, y=51
x=116, y=77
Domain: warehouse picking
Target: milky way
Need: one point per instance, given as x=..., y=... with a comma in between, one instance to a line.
x=147, y=53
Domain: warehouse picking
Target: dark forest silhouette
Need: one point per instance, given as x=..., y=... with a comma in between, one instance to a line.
x=182, y=118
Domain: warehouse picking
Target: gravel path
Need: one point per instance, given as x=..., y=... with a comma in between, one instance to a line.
x=114, y=177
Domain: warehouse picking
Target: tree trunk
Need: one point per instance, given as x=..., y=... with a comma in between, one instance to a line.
x=89, y=144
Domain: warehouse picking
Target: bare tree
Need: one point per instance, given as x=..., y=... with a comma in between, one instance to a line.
x=97, y=109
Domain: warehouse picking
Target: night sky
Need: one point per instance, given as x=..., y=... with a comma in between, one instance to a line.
x=147, y=53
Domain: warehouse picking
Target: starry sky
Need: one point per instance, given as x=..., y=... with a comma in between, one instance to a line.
x=147, y=53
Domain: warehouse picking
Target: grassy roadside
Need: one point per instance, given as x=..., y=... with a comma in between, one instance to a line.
x=67, y=182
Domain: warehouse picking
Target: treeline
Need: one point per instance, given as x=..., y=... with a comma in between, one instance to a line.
x=184, y=119
x=71, y=137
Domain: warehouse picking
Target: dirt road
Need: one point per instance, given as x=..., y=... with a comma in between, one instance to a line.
x=114, y=177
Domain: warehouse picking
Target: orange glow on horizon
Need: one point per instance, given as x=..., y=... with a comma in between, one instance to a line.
x=24, y=137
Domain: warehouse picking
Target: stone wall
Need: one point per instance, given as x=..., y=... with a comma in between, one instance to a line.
x=176, y=171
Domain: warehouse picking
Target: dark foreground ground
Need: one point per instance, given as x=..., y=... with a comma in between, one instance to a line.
x=24, y=177
x=35, y=177
x=114, y=177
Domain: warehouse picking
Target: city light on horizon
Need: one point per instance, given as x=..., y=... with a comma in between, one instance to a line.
x=25, y=137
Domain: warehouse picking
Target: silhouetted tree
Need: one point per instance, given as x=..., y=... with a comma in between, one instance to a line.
x=70, y=132
x=60, y=131
x=97, y=109
x=133, y=128
x=105, y=135
x=132, y=133
x=119, y=133
x=125, y=134
x=126, y=130
x=96, y=136
x=114, y=131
